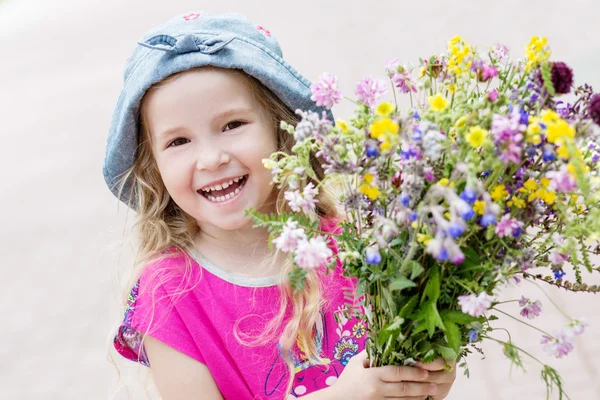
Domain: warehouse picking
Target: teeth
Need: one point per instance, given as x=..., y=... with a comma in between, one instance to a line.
x=223, y=185
x=220, y=199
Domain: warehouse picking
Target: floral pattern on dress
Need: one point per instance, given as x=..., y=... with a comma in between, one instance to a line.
x=128, y=340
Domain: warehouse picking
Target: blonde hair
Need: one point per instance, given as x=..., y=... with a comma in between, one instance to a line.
x=161, y=224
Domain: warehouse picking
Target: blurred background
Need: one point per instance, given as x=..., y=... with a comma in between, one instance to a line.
x=64, y=239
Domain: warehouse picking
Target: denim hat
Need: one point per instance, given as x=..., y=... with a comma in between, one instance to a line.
x=193, y=40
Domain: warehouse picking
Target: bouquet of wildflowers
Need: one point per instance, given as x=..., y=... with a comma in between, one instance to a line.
x=485, y=180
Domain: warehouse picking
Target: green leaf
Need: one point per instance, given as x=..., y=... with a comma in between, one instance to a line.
x=457, y=317
x=409, y=306
x=428, y=316
x=432, y=290
x=417, y=270
x=446, y=352
x=453, y=336
x=401, y=283
x=395, y=325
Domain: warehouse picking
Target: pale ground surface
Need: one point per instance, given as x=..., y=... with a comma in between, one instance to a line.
x=60, y=74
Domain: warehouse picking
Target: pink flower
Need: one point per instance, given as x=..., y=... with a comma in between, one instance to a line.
x=500, y=52
x=325, y=91
x=508, y=227
x=264, y=31
x=428, y=174
x=312, y=253
x=562, y=180
x=290, y=237
x=391, y=67
x=557, y=257
x=488, y=72
x=530, y=309
x=475, y=305
x=191, y=17
x=369, y=90
x=558, y=347
x=403, y=82
x=302, y=202
x=577, y=326
x=493, y=95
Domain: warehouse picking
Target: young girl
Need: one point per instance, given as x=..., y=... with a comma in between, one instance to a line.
x=212, y=312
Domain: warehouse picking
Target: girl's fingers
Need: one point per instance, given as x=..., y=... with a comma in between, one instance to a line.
x=397, y=373
x=405, y=390
x=436, y=364
x=440, y=377
x=407, y=398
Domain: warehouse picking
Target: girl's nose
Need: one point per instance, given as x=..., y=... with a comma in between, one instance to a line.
x=211, y=159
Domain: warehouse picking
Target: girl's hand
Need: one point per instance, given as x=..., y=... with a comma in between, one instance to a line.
x=444, y=379
x=360, y=382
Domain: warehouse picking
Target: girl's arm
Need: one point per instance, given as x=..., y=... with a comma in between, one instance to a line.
x=178, y=376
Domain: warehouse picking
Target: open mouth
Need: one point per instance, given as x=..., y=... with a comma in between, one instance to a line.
x=226, y=191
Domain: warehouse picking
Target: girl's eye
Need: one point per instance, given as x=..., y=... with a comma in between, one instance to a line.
x=178, y=142
x=233, y=125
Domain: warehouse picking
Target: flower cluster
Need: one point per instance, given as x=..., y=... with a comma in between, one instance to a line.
x=487, y=178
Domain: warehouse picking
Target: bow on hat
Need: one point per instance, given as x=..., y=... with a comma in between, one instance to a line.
x=188, y=43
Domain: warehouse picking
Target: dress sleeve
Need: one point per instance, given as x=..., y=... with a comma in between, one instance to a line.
x=154, y=308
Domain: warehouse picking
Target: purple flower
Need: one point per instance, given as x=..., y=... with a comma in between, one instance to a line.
x=593, y=109
x=562, y=77
x=508, y=227
x=558, y=347
x=530, y=309
x=290, y=237
x=325, y=91
x=373, y=255
x=499, y=52
x=557, y=257
x=562, y=180
x=507, y=135
x=428, y=174
x=455, y=255
x=473, y=305
x=312, y=253
x=369, y=90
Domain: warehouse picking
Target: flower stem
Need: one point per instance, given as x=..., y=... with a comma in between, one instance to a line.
x=523, y=322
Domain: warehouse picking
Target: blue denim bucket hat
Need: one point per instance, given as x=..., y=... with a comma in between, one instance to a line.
x=187, y=41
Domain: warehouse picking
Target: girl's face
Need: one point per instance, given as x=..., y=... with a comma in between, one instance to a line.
x=209, y=136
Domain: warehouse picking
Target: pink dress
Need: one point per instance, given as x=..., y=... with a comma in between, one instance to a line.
x=194, y=310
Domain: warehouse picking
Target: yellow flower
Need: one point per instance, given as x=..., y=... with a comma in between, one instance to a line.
x=438, y=102
x=479, y=207
x=371, y=192
x=499, y=192
x=383, y=126
x=368, y=177
x=533, y=132
x=519, y=203
x=545, y=182
x=342, y=125
x=476, y=136
x=530, y=185
x=460, y=122
x=268, y=163
x=536, y=52
x=550, y=117
x=562, y=152
x=560, y=130
x=384, y=109
x=421, y=238
x=443, y=182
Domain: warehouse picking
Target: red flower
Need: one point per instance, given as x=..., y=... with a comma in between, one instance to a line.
x=191, y=17
x=264, y=31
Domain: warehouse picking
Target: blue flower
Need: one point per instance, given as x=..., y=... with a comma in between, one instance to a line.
x=416, y=116
x=456, y=230
x=413, y=216
x=417, y=134
x=485, y=174
x=473, y=335
x=559, y=273
x=405, y=199
x=548, y=156
x=373, y=256
x=524, y=118
x=488, y=219
x=467, y=214
x=372, y=151
x=530, y=151
x=469, y=195
x=443, y=255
